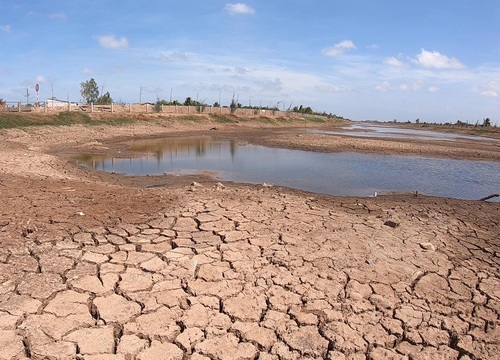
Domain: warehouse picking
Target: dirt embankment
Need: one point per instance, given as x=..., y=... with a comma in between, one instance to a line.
x=104, y=266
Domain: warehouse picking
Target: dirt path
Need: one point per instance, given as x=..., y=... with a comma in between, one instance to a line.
x=97, y=266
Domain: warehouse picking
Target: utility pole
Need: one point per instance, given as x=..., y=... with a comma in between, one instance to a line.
x=171, y=96
x=27, y=96
x=140, y=94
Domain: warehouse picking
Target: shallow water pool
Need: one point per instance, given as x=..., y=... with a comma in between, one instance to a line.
x=343, y=174
x=389, y=132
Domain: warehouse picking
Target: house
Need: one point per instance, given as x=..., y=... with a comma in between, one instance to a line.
x=53, y=102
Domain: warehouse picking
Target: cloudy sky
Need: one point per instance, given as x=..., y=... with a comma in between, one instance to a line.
x=436, y=60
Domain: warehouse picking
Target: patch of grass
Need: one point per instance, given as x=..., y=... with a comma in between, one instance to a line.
x=315, y=119
x=114, y=121
x=481, y=131
x=192, y=118
x=67, y=118
x=9, y=121
x=282, y=119
x=223, y=119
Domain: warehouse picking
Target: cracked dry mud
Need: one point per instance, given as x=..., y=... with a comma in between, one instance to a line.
x=101, y=270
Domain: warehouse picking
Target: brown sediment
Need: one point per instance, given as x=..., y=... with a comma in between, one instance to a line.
x=97, y=264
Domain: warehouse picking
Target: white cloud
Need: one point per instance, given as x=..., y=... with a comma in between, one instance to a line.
x=111, y=42
x=417, y=85
x=275, y=84
x=339, y=49
x=40, y=79
x=489, y=93
x=385, y=86
x=241, y=70
x=334, y=89
x=392, y=61
x=492, y=89
x=170, y=56
x=239, y=8
x=433, y=89
x=87, y=71
x=5, y=28
x=436, y=60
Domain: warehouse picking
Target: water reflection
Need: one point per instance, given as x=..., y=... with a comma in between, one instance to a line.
x=346, y=174
x=176, y=147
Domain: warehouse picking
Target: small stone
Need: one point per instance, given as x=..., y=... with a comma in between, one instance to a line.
x=391, y=224
x=219, y=186
x=427, y=246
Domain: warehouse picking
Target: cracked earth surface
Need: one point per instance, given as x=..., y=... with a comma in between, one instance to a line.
x=99, y=269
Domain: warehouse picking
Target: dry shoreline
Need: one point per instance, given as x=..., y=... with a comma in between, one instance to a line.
x=102, y=266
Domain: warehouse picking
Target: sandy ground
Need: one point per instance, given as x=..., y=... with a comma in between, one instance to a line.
x=102, y=266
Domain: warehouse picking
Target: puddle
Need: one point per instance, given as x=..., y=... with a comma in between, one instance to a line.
x=343, y=174
x=377, y=131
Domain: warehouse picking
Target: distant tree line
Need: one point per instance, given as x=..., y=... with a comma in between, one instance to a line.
x=486, y=122
x=91, y=94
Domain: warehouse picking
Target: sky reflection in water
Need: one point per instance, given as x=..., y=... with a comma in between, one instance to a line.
x=386, y=132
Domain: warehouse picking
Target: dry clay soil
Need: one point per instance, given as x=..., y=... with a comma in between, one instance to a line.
x=102, y=266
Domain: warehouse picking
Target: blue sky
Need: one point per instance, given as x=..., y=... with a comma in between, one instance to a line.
x=436, y=60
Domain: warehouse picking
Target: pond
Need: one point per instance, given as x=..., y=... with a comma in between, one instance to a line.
x=343, y=174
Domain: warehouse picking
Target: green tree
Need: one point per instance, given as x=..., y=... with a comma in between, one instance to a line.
x=105, y=99
x=89, y=91
x=233, y=106
x=486, y=122
x=2, y=102
x=188, y=101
